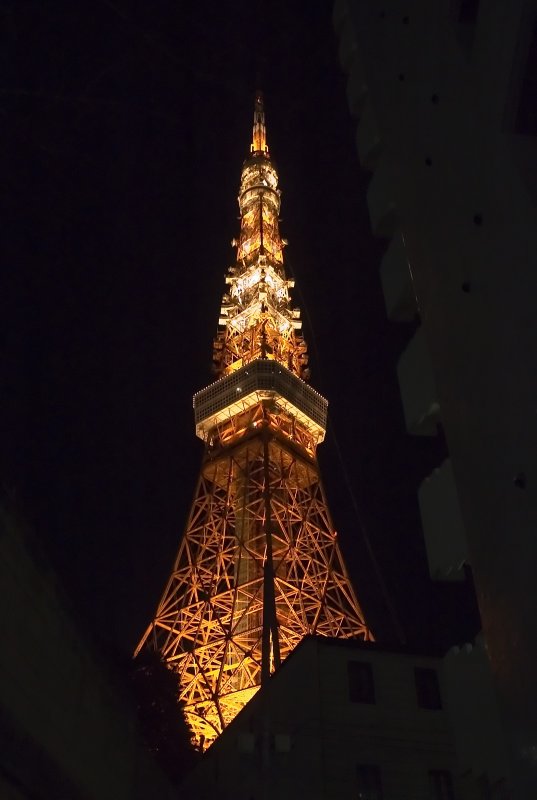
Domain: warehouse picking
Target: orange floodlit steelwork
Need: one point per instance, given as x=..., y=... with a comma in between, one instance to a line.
x=259, y=566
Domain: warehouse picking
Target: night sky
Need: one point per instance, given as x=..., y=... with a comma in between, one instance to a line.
x=124, y=128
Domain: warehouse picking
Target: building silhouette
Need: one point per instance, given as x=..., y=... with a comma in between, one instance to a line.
x=444, y=97
x=68, y=724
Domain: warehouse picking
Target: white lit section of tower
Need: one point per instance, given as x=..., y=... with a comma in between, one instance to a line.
x=259, y=566
x=256, y=316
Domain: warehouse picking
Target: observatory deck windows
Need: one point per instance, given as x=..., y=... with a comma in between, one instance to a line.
x=262, y=378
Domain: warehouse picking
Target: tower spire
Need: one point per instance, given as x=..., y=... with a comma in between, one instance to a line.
x=259, y=138
x=259, y=566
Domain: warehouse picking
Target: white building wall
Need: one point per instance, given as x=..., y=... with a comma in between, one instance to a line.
x=325, y=735
x=405, y=741
x=443, y=528
x=469, y=693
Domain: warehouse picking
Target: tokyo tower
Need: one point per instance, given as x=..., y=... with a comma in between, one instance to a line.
x=259, y=566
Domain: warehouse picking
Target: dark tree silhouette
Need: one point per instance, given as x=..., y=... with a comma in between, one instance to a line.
x=161, y=716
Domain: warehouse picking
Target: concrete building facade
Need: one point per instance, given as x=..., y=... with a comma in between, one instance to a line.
x=67, y=732
x=349, y=719
x=444, y=97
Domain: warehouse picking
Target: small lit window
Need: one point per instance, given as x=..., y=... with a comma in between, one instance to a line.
x=440, y=785
x=368, y=782
x=361, y=684
x=427, y=689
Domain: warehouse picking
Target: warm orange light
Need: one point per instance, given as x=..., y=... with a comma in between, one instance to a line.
x=259, y=485
x=259, y=143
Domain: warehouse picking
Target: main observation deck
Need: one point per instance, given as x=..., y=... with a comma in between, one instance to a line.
x=260, y=380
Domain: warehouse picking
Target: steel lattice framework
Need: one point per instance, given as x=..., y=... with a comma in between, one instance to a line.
x=259, y=566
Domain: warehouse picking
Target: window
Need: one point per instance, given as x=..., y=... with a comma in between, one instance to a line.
x=440, y=785
x=427, y=689
x=467, y=12
x=499, y=790
x=526, y=116
x=368, y=782
x=361, y=685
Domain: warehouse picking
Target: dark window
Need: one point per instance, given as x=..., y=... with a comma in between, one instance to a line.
x=440, y=785
x=361, y=685
x=526, y=117
x=465, y=14
x=498, y=790
x=368, y=782
x=427, y=689
x=468, y=12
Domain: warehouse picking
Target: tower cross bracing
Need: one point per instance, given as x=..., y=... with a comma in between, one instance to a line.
x=259, y=566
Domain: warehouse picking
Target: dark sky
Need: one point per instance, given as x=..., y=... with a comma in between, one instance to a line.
x=125, y=125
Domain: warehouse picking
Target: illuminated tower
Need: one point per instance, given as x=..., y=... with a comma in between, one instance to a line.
x=259, y=566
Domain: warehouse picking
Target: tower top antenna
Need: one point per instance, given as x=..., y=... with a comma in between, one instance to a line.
x=259, y=137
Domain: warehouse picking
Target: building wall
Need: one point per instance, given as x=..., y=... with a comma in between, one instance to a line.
x=405, y=741
x=65, y=729
x=302, y=736
x=442, y=93
x=470, y=698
